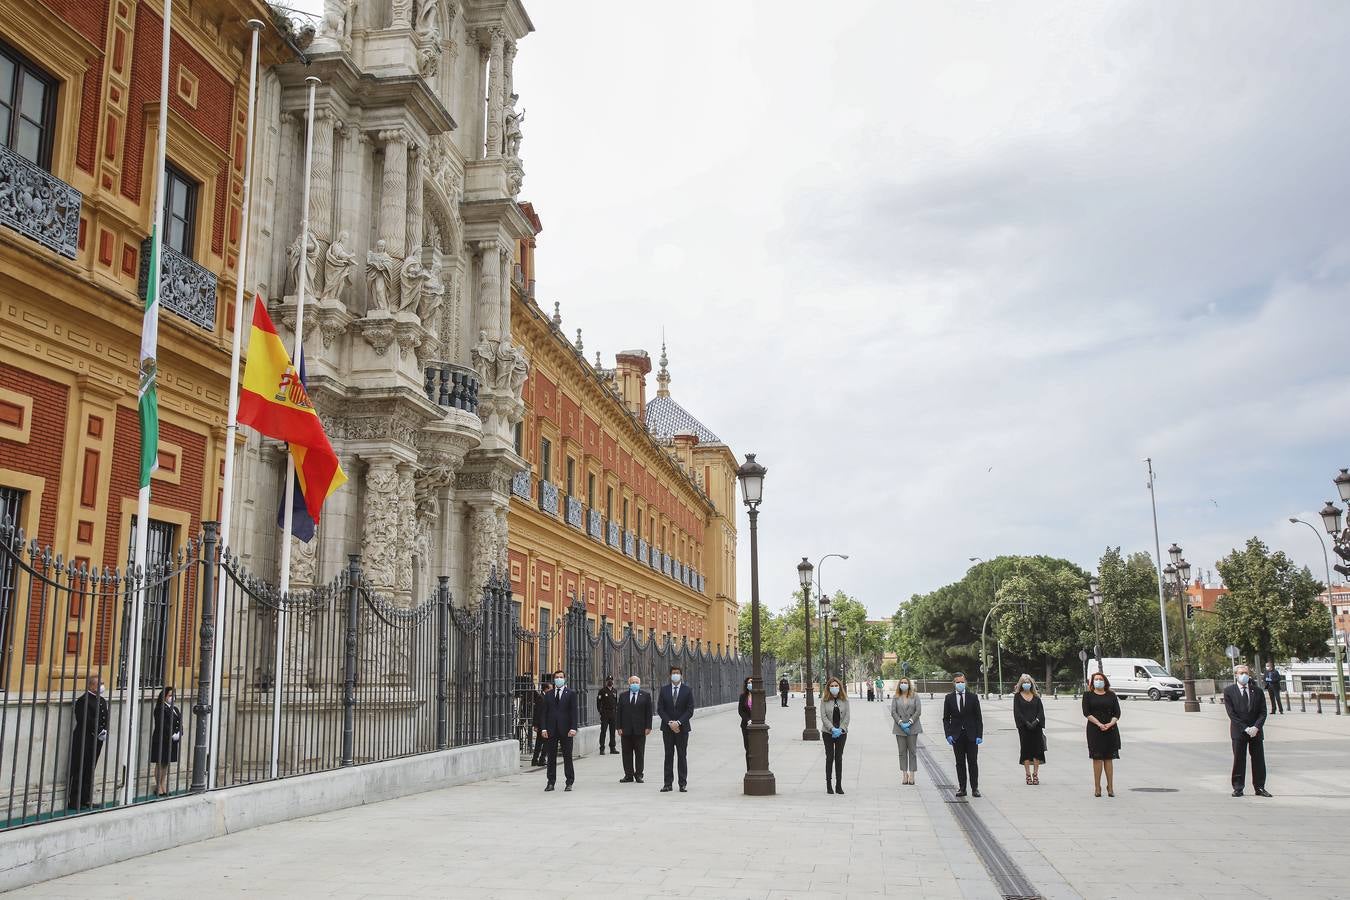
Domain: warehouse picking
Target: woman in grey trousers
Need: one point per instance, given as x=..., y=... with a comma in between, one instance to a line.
x=905, y=712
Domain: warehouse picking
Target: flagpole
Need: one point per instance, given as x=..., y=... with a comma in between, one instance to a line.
x=1157, y=549
x=232, y=416
x=148, y=400
x=288, y=495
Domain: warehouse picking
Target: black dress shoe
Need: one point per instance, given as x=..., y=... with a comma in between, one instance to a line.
x=613, y=749
x=567, y=787
x=1262, y=792
x=838, y=788
x=683, y=789
x=638, y=779
x=627, y=779
x=974, y=792
x=602, y=751
x=1237, y=792
x=549, y=786
x=665, y=787
x=961, y=793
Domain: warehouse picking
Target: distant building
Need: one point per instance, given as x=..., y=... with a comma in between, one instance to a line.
x=1205, y=596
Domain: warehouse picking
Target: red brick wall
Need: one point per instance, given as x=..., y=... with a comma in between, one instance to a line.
x=86, y=145
x=215, y=99
x=88, y=17
x=41, y=456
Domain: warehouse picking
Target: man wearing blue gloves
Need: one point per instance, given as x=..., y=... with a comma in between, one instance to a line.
x=964, y=727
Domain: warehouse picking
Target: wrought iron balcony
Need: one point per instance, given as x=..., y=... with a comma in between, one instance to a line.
x=629, y=544
x=613, y=535
x=185, y=288
x=454, y=387
x=548, y=497
x=520, y=484
x=38, y=205
x=593, y=525
x=574, y=512
x=642, y=554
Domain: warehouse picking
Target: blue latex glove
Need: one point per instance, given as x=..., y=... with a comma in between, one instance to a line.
x=979, y=741
x=951, y=740
x=904, y=726
x=835, y=732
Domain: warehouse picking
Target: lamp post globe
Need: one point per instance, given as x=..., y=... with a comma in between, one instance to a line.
x=1178, y=576
x=804, y=574
x=1331, y=518
x=759, y=781
x=1342, y=482
x=1174, y=554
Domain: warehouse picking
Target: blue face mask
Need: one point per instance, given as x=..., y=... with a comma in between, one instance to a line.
x=1244, y=678
x=961, y=687
x=1026, y=685
x=834, y=690
x=1099, y=684
x=634, y=688
x=559, y=682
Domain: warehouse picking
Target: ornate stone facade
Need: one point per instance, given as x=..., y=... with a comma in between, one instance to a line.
x=414, y=226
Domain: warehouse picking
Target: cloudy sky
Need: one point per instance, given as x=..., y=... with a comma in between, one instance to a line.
x=954, y=270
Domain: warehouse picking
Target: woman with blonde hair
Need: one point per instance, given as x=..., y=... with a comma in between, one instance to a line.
x=1029, y=714
x=905, y=712
x=834, y=732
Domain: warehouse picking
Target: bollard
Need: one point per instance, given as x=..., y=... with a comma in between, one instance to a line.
x=1302, y=702
x=1319, y=703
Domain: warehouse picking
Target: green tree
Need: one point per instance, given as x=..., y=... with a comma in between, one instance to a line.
x=1129, y=610
x=1271, y=607
x=1036, y=607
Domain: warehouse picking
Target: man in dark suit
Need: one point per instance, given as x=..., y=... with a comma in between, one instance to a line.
x=540, y=701
x=1274, y=685
x=676, y=708
x=91, y=733
x=560, y=727
x=634, y=723
x=783, y=687
x=1246, y=726
x=607, y=705
x=964, y=726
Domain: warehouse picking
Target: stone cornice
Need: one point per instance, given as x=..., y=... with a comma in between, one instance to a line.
x=339, y=74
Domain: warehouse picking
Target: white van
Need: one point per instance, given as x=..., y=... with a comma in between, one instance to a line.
x=1131, y=677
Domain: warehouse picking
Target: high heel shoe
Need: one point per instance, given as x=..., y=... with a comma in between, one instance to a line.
x=1028, y=779
x=1097, y=792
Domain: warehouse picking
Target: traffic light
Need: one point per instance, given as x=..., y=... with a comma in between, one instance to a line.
x=1190, y=611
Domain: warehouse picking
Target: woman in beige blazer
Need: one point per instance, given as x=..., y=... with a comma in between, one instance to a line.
x=905, y=713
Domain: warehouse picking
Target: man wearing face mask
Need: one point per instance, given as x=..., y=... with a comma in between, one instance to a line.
x=676, y=708
x=91, y=733
x=560, y=727
x=1246, y=708
x=635, y=723
x=783, y=688
x=607, y=705
x=964, y=727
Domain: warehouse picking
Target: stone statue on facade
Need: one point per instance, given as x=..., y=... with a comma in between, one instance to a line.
x=413, y=279
x=309, y=256
x=484, y=358
x=520, y=373
x=433, y=291
x=337, y=268
x=429, y=56
x=506, y=360
x=380, y=278
x=336, y=25
x=513, y=133
x=426, y=17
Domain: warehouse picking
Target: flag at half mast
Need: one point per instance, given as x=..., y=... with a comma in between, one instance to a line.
x=147, y=395
x=273, y=400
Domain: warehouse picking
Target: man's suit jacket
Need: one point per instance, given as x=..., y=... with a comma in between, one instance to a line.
x=560, y=712
x=968, y=721
x=680, y=711
x=1241, y=715
x=635, y=713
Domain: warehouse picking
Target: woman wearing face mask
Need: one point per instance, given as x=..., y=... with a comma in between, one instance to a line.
x=743, y=706
x=905, y=712
x=166, y=730
x=1029, y=714
x=834, y=732
x=1101, y=708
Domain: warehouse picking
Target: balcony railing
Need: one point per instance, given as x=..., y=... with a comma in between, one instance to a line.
x=629, y=544
x=548, y=497
x=38, y=205
x=642, y=554
x=453, y=387
x=520, y=484
x=593, y=525
x=184, y=287
x=574, y=512
x=613, y=535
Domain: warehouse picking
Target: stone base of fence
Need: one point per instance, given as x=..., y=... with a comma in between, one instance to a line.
x=34, y=854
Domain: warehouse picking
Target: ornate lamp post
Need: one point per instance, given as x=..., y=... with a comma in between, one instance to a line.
x=823, y=602
x=843, y=656
x=804, y=569
x=759, y=781
x=1095, y=602
x=1178, y=576
x=1340, y=541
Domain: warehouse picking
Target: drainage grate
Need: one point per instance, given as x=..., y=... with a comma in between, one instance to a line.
x=1011, y=881
x=1154, y=790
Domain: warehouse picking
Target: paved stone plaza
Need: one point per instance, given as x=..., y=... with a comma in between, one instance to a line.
x=1172, y=830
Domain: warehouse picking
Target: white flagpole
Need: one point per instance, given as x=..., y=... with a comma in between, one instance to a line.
x=288, y=506
x=232, y=417
x=1157, y=549
x=131, y=708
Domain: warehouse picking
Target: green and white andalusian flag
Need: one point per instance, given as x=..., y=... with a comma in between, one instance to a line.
x=148, y=396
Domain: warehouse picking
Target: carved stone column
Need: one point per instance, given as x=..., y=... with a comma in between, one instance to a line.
x=504, y=300
x=482, y=547
x=407, y=537
x=394, y=193
x=494, y=116
x=402, y=14
x=489, y=289
x=414, y=201
x=321, y=180
x=508, y=66
x=502, y=534
x=379, y=532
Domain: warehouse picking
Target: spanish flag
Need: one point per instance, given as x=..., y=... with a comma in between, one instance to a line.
x=273, y=400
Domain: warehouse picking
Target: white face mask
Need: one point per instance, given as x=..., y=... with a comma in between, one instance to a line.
x=102, y=690
x=904, y=688
x=1099, y=684
x=675, y=677
x=834, y=690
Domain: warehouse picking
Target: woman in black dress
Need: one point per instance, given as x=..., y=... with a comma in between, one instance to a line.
x=166, y=729
x=1029, y=714
x=1101, y=708
x=744, y=706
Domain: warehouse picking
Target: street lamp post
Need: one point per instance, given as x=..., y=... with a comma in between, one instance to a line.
x=1178, y=576
x=824, y=603
x=1331, y=520
x=810, y=732
x=843, y=656
x=759, y=781
x=1095, y=601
